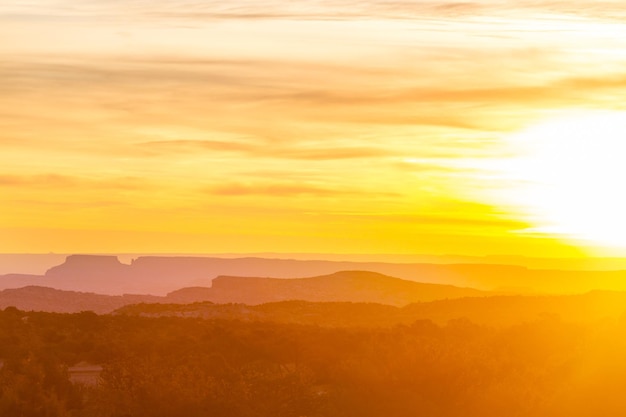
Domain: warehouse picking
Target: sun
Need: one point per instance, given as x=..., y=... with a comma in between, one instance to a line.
x=568, y=176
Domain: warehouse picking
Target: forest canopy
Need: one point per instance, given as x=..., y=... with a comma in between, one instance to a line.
x=164, y=366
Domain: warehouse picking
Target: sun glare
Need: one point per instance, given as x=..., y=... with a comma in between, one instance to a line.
x=567, y=175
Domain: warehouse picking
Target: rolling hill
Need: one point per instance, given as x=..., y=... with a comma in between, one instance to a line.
x=348, y=286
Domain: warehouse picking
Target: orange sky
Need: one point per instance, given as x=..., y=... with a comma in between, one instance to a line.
x=273, y=126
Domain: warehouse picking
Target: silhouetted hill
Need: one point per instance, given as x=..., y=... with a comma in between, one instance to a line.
x=506, y=310
x=355, y=286
x=51, y=300
x=95, y=265
x=325, y=314
x=343, y=286
x=161, y=275
x=38, y=264
x=498, y=311
x=190, y=295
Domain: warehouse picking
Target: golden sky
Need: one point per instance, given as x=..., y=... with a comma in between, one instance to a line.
x=309, y=126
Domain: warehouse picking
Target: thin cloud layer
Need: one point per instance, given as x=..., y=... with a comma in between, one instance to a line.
x=308, y=9
x=55, y=181
x=278, y=190
x=252, y=149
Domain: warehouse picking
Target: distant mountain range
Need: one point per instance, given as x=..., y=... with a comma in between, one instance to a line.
x=596, y=307
x=347, y=286
x=355, y=286
x=34, y=298
x=349, y=297
x=38, y=264
x=161, y=275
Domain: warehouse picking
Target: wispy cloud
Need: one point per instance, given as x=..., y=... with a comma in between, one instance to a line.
x=452, y=220
x=314, y=153
x=276, y=190
x=38, y=180
x=241, y=9
x=56, y=181
x=281, y=84
x=307, y=9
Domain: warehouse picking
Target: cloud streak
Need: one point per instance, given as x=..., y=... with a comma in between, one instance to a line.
x=56, y=181
x=312, y=153
x=276, y=190
x=307, y=9
x=453, y=220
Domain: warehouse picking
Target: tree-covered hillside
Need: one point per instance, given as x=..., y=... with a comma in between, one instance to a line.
x=168, y=366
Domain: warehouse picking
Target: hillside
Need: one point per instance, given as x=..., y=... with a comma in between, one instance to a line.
x=496, y=311
x=355, y=286
x=161, y=275
x=34, y=298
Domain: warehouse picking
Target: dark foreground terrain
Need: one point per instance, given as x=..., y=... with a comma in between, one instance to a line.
x=168, y=365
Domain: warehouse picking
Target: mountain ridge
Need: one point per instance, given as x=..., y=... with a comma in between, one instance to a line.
x=351, y=286
x=161, y=275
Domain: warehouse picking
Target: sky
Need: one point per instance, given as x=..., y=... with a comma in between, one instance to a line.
x=278, y=126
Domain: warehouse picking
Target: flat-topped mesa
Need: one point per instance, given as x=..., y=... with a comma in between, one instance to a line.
x=89, y=265
x=353, y=286
x=342, y=278
x=190, y=295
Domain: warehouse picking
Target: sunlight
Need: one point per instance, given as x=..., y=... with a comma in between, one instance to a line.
x=567, y=174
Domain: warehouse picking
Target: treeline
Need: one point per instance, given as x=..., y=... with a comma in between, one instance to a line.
x=497, y=311
x=171, y=366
